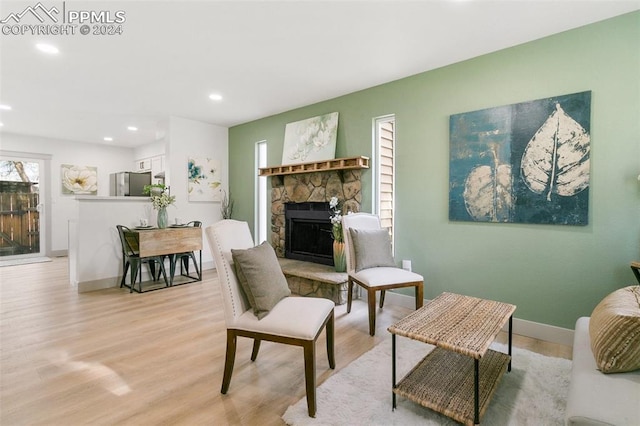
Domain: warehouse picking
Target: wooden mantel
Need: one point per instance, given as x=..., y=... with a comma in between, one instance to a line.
x=316, y=166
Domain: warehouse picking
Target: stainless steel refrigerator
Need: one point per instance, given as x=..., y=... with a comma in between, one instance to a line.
x=129, y=184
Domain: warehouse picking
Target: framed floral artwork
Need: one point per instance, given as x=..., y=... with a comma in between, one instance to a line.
x=79, y=180
x=313, y=139
x=205, y=183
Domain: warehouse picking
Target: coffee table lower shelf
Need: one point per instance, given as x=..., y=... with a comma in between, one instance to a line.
x=444, y=382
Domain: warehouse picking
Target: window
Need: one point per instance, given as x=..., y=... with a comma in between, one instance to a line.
x=384, y=146
x=261, y=194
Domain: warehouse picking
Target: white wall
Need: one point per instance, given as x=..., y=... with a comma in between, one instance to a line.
x=188, y=138
x=184, y=139
x=62, y=208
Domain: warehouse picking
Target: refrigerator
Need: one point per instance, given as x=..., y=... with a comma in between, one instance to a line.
x=129, y=184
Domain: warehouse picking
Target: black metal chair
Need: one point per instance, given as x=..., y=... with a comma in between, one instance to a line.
x=183, y=258
x=131, y=258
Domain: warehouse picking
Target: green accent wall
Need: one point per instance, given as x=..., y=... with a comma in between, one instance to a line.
x=553, y=273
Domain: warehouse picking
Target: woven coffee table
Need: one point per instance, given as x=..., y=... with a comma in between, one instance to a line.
x=458, y=378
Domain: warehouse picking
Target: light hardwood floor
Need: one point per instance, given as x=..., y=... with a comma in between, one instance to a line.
x=111, y=357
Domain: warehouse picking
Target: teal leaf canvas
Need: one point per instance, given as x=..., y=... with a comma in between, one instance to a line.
x=522, y=163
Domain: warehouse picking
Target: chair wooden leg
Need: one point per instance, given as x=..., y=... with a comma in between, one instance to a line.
x=382, y=293
x=256, y=348
x=329, y=330
x=229, y=360
x=310, y=375
x=419, y=295
x=349, y=294
x=371, y=296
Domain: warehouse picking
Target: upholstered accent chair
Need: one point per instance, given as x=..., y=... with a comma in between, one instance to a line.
x=293, y=320
x=371, y=265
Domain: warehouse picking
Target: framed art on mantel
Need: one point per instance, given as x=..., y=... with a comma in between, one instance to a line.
x=204, y=180
x=313, y=139
x=522, y=163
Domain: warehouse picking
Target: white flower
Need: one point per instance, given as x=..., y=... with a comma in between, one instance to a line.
x=336, y=219
x=333, y=202
x=79, y=179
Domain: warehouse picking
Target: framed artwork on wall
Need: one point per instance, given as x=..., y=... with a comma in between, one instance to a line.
x=78, y=180
x=522, y=163
x=204, y=179
x=313, y=139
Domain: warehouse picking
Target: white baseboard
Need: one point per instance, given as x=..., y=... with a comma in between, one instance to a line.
x=534, y=330
x=85, y=286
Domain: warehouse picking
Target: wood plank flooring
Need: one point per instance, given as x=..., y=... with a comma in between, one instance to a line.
x=110, y=357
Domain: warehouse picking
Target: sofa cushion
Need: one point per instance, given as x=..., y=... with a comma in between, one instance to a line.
x=260, y=277
x=614, y=330
x=372, y=248
x=597, y=399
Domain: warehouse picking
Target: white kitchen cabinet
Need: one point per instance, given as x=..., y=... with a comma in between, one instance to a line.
x=154, y=165
x=157, y=166
x=142, y=165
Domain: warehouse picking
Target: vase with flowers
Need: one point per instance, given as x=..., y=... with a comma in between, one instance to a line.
x=161, y=199
x=339, y=258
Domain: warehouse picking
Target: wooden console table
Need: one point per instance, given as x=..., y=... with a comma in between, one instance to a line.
x=461, y=328
x=167, y=242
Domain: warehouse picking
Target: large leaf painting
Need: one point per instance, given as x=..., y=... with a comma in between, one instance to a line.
x=487, y=192
x=556, y=159
x=523, y=163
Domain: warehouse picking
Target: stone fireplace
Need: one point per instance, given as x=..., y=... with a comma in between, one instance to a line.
x=308, y=235
x=313, y=189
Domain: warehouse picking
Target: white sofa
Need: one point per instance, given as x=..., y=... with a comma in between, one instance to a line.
x=596, y=398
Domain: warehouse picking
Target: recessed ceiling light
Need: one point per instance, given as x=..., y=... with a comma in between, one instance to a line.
x=5, y=107
x=2, y=124
x=108, y=139
x=132, y=128
x=215, y=97
x=47, y=48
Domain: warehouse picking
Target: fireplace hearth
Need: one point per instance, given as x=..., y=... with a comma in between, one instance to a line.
x=308, y=232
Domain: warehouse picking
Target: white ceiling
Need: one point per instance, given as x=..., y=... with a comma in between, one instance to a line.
x=264, y=57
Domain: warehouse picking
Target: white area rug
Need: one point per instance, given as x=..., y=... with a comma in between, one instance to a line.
x=24, y=261
x=533, y=393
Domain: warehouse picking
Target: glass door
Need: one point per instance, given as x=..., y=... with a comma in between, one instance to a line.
x=21, y=207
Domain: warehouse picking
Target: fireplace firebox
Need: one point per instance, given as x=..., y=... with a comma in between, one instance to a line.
x=308, y=234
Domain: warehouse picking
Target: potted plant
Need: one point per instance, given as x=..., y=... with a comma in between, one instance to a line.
x=339, y=258
x=161, y=199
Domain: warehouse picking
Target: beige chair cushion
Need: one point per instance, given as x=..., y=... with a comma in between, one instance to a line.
x=372, y=248
x=260, y=277
x=614, y=330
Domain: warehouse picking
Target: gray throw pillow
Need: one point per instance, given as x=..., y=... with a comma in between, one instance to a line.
x=372, y=248
x=261, y=277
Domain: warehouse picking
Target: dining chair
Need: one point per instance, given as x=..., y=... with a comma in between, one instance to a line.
x=293, y=320
x=183, y=259
x=131, y=257
x=370, y=263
